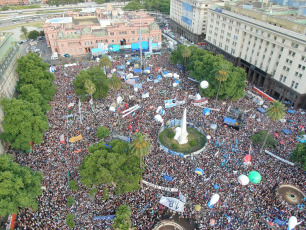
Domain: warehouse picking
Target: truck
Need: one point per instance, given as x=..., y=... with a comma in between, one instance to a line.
x=54, y=56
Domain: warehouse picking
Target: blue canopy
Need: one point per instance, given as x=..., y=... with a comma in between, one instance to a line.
x=286, y=131
x=180, y=66
x=121, y=67
x=177, y=81
x=291, y=111
x=135, y=46
x=148, y=68
x=262, y=110
x=166, y=72
x=137, y=70
x=229, y=121
x=159, y=77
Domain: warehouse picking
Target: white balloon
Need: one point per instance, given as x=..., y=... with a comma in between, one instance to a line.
x=214, y=199
x=198, y=96
x=136, y=89
x=243, y=180
x=119, y=100
x=204, y=84
x=292, y=222
x=208, y=137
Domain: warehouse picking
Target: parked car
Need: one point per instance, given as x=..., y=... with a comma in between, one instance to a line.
x=66, y=55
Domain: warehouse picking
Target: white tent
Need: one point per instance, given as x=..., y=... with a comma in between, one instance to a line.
x=176, y=76
x=158, y=109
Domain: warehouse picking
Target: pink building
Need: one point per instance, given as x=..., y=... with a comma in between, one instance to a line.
x=76, y=35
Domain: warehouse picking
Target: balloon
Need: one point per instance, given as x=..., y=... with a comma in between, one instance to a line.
x=135, y=89
x=206, y=111
x=204, y=84
x=243, y=180
x=119, y=100
x=255, y=177
x=292, y=222
x=247, y=158
x=197, y=207
x=213, y=200
x=208, y=137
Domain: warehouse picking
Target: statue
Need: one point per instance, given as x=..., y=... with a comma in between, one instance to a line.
x=181, y=132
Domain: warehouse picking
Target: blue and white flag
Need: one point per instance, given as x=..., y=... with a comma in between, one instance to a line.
x=165, y=177
x=182, y=197
x=108, y=217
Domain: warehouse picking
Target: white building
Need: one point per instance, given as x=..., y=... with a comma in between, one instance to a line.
x=273, y=57
x=189, y=18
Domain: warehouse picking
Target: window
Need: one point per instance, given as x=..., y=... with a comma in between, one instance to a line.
x=296, y=73
x=285, y=79
x=111, y=33
x=300, y=66
x=281, y=77
x=300, y=76
x=292, y=84
x=296, y=85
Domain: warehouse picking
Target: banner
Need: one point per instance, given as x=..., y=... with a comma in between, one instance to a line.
x=108, y=217
x=182, y=197
x=281, y=159
x=160, y=187
x=170, y=103
x=279, y=222
x=62, y=139
x=77, y=138
x=172, y=203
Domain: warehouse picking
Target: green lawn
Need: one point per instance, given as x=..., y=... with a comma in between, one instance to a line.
x=193, y=134
x=37, y=24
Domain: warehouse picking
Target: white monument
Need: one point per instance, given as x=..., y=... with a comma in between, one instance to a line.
x=181, y=132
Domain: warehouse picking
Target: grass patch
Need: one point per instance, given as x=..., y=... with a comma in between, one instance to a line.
x=37, y=24
x=50, y=11
x=196, y=140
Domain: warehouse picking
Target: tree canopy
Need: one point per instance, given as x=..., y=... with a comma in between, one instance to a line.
x=161, y=5
x=109, y=164
x=133, y=6
x=19, y=186
x=97, y=77
x=23, y=122
x=102, y=132
x=33, y=34
x=299, y=155
x=259, y=137
x=203, y=65
x=122, y=220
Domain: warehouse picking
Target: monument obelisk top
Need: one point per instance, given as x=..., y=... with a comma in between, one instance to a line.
x=183, y=135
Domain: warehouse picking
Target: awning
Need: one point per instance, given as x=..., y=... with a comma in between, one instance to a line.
x=291, y=111
x=262, y=110
x=286, y=131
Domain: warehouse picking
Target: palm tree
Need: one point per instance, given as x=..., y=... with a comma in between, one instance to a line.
x=221, y=75
x=105, y=63
x=115, y=82
x=140, y=147
x=275, y=112
x=90, y=88
x=24, y=31
x=186, y=53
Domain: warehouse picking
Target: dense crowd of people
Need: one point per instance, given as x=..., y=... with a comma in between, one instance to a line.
x=239, y=207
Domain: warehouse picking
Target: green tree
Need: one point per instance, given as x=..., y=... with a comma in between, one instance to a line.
x=186, y=53
x=259, y=137
x=140, y=147
x=33, y=34
x=299, y=155
x=221, y=76
x=275, y=112
x=24, y=31
x=98, y=78
x=41, y=33
x=73, y=185
x=102, y=132
x=111, y=164
x=115, y=82
x=19, y=186
x=70, y=220
x=132, y=6
x=90, y=87
x=23, y=122
x=105, y=63
x=70, y=201
x=122, y=220
x=31, y=94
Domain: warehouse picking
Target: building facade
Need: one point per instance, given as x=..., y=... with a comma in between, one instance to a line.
x=10, y=51
x=189, y=18
x=273, y=57
x=77, y=35
x=13, y=2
